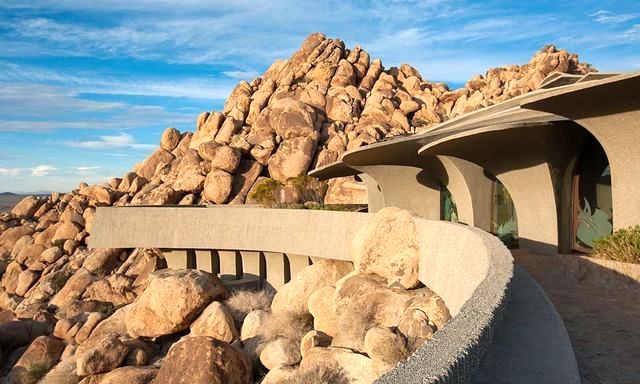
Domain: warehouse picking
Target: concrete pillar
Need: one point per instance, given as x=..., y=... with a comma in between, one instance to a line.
x=375, y=200
x=176, y=258
x=406, y=187
x=619, y=135
x=297, y=263
x=253, y=264
x=204, y=260
x=229, y=266
x=277, y=269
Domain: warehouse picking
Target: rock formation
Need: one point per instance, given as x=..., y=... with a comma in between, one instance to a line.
x=104, y=316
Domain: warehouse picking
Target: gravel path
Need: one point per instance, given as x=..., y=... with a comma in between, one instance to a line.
x=603, y=321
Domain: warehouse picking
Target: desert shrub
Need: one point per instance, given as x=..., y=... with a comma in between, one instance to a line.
x=332, y=373
x=59, y=243
x=59, y=279
x=622, y=245
x=241, y=302
x=309, y=188
x=265, y=192
x=36, y=371
x=290, y=325
x=63, y=373
x=325, y=207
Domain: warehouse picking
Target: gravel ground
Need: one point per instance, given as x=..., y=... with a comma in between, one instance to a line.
x=603, y=321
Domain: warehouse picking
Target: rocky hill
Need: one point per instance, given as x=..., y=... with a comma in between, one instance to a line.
x=300, y=114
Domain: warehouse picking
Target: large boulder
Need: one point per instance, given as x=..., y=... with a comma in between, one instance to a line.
x=204, y=360
x=280, y=352
x=148, y=167
x=290, y=118
x=171, y=301
x=217, y=186
x=293, y=296
x=292, y=158
x=27, y=207
x=356, y=367
x=388, y=246
x=170, y=139
x=221, y=156
x=100, y=354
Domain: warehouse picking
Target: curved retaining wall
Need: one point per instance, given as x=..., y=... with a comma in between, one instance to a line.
x=469, y=268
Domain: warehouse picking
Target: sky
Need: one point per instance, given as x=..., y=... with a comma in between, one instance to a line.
x=87, y=87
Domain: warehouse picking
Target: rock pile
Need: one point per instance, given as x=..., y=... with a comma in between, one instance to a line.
x=104, y=314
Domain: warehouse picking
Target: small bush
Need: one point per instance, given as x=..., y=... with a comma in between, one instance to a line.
x=63, y=373
x=622, y=245
x=333, y=374
x=36, y=371
x=309, y=188
x=242, y=302
x=265, y=192
x=60, y=279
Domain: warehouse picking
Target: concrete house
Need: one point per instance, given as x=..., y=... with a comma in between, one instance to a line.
x=563, y=162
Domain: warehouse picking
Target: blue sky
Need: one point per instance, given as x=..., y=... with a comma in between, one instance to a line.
x=86, y=87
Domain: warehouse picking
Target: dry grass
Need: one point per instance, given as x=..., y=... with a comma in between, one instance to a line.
x=354, y=320
x=242, y=302
x=63, y=373
x=333, y=374
x=290, y=325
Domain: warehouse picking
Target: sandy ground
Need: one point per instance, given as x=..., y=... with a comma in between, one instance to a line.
x=8, y=201
x=603, y=322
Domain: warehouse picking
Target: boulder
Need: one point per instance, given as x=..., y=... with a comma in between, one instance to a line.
x=215, y=321
x=314, y=339
x=320, y=305
x=293, y=296
x=170, y=139
x=204, y=360
x=388, y=246
x=187, y=173
x=292, y=158
x=102, y=261
x=66, y=231
x=27, y=207
x=221, y=156
x=385, y=347
x=217, y=186
x=246, y=174
x=130, y=375
x=37, y=359
x=100, y=354
x=149, y=166
x=171, y=301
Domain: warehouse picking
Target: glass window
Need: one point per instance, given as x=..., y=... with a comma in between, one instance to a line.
x=504, y=222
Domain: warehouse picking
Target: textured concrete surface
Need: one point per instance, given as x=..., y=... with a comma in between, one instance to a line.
x=532, y=345
x=600, y=309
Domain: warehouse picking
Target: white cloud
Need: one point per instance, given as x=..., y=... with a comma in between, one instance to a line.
x=81, y=169
x=10, y=171
x=242, y=75
x=123, y=140
x=42, y=170
x=608, y=17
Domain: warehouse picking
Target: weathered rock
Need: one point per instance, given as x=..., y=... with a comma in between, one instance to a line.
x=66, y=231
x=292, y=158
x=25, y=281
x=172, y=300
x=170, y=139
x=246, y=175
x=215, y=321
x=293, y=296
x=130, y=375
x=149, y=166
x=41, y=356
x=320, y=305
x=314, y=339
x=385, y=347
x=221, y=156
x=100, y=354
x=27, y=207
x=204, y=360
x=388, y=246
x=217, y=186
x=102, y=261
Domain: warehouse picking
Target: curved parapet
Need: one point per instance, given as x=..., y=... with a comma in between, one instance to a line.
x=468, y=268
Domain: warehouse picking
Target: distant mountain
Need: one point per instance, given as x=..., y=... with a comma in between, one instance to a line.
x=7, y=194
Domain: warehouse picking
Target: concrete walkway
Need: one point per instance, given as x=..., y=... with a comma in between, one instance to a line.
x=602, y=318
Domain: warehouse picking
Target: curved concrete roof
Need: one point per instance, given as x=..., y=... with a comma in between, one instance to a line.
x=526, y=109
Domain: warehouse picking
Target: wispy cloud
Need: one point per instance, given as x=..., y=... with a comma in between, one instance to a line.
x=123, y=140
x=10, y=171
x=242, y=75
x=82, y=169
x=608, y=17
x=42, y=170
